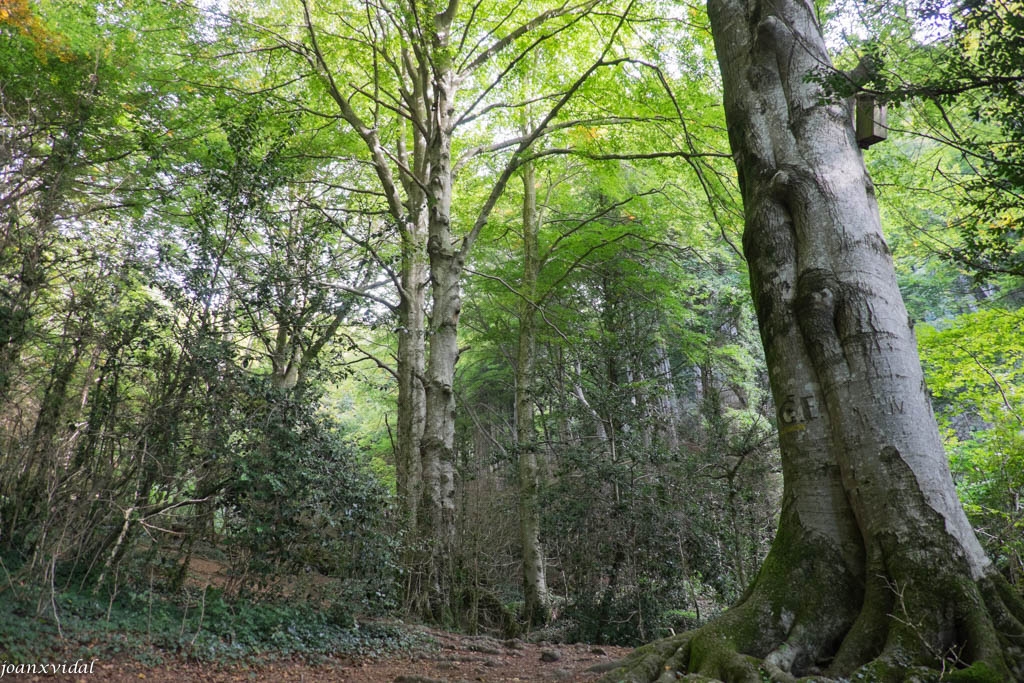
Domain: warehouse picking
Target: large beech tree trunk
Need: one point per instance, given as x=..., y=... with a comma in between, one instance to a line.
x=875, y=572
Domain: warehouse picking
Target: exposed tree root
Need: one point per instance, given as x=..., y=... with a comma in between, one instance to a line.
x=780, y=627
x=907, y=612
x=703, y=653
x=973, y=634
x=912, y=610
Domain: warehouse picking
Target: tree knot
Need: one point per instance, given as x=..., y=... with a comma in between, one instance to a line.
x=818, y=294
x=780, y=183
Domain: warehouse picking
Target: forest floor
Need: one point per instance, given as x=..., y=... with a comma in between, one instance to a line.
x=397, y=652
x=444, y=658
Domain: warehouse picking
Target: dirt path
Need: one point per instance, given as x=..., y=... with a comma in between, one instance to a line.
x=452, y=659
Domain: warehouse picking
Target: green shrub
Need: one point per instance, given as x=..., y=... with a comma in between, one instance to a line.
x=628, y=616
x=300, y=501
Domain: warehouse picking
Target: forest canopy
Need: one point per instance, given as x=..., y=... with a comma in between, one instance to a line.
x=469, y=312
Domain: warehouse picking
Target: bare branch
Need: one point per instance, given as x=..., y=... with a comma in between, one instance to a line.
x=587, y=221
x=468, y=114
x=522, y=30
x=513, y=142
x=353, y=344
x=369, y=135
x=623, y=156
x=510, y=167
x=533, y=304
x=365, y=293
x=363, y=243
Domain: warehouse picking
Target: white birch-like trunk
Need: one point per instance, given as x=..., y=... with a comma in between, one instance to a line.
x=666, y=408
x=534, y=578
x=410, y=368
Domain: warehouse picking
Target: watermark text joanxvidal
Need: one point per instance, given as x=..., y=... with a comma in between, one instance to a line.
x=79, y=666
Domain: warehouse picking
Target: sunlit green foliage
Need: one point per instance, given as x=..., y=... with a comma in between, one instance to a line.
x=975, y=366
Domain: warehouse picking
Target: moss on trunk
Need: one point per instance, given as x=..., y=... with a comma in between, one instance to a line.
x=731, y=647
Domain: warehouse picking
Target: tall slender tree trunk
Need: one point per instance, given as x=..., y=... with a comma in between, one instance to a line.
x=437, y=446
x=412, y=339
x=410, y=367
x=286, y=359
x=433, y=59
x=534, y=579
x=875, y=570
x=667, y=403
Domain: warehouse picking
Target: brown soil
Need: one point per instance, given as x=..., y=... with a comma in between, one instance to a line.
x=452, y=659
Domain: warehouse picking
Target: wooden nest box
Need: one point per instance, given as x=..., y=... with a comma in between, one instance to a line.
x=870, y=120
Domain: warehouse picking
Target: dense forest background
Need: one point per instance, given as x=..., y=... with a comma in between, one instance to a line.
x=209, y=302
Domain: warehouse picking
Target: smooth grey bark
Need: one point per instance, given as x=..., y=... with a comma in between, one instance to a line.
x=535, y=591
x=411, y=352
x=890, y=574
x=600, y=436
x=301, y=334
x=284, y=374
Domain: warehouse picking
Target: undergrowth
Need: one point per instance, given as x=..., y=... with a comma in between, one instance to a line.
x=200, y=626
